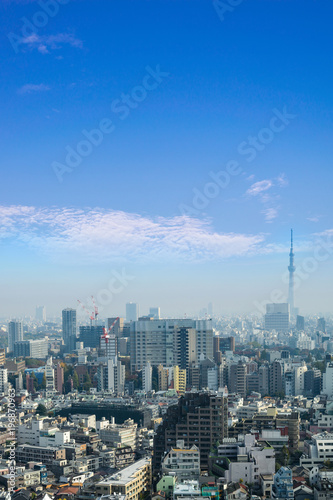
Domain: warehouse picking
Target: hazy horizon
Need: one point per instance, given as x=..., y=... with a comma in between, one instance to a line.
x=161, y=152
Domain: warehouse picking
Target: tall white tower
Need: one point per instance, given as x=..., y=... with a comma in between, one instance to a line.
x=291, y=269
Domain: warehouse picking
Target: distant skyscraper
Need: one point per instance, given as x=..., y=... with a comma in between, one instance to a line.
x=300, y=323
x=154, y=312
x=291, y=269
x=41, y=314
x=69, y=328
x=132, y=311
x=277, y=317
x=15, y=333
x=321, y=325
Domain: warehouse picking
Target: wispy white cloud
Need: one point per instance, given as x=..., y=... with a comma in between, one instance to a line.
x=315, y=218
x=258, y=187
x=270, y=214
x=45, y=44
x=268, y=196
x=98, y=235
x=31, y=87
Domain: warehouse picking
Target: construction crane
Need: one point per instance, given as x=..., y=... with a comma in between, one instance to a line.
x=92, y=315
x=106, y=334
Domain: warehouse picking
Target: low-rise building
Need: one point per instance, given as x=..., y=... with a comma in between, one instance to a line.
x=131, y=481
x=317, y=450
x=183, y=462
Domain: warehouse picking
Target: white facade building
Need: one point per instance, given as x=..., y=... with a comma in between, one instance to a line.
x=147, y=376
x=328, y=381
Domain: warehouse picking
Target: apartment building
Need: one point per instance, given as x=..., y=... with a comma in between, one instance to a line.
x=132, y=481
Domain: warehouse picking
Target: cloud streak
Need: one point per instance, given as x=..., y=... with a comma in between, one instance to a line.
x=45, y=44
x=99, y=235
x=31, y=87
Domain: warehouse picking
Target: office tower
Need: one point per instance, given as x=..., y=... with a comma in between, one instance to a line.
x=277, y=317
x=111, y=377
x=300, y=323
x=264, y=386
x=109, y=346
x=185, y=348
x=210, y=309
x=237, y=379
x=321, y=325
x=41, y=314
x=69, y=329
x=116, y=326
x=38, y=348
x=147, y=377
x=276, y=373
x=155, y=312
x=132, y=311
x=312, y=382
x=154, y=341
x=199, y=419
x=209, y=375
x=15, y=334
x=227, y=344
x=217, y=355
x=291, y=269
x=90, y=335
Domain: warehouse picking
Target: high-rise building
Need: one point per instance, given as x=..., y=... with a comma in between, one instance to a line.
x=132, y=311
x=227, y=344
x=59, y=378
x=277, y=317
x=109, y=346
x=163, y=378
x=321, y=325
x=155, y=312
x=90, y=335
x=40, y=314
x=147, y=374
x=179, y=379
x=199, y=419
x=117, y=325
x=15, y=333
x=69, y=329
x=291, y=269
x=237, y=379
x=49, y=374
x=111, y=377
x=161, y=341
x=38, y=348
x=300, y=323
x=185, y=348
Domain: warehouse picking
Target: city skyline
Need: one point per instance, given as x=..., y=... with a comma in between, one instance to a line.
x=178, y=152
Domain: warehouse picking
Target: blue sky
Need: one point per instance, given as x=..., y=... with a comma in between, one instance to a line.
x=222, y=82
